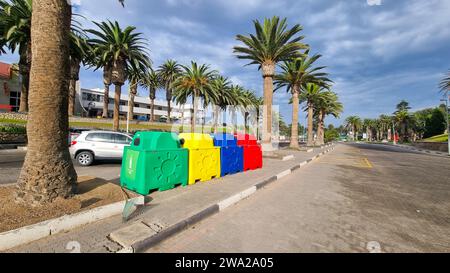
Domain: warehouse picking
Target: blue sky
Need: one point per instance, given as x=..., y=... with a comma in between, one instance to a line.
x=376, y=54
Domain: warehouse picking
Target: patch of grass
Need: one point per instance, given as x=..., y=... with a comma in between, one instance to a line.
x=13, y=121
x=123, y=126
x=439, y=138
x=13, y=129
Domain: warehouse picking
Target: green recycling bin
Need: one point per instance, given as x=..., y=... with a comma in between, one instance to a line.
x=155, y=160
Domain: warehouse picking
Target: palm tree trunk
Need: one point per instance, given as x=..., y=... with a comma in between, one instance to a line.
x=216, y=118
x=234, y=120
x=182, y=117
x=117, y=92
x=294, y=126
x=106, y=84
x=72, y=93
x=169, y=110
x=23, y=107
x=152, y=110
x=105, y=101
x=321, y=129
x=194, y=115
x=268, y=73
x=310, y=125
x=48, y=172
x=131, y=106
x=246, y=129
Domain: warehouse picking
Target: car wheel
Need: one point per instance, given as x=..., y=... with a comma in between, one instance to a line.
x=85, y=158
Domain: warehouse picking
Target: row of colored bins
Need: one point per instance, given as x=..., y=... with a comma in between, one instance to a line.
x=160, y=161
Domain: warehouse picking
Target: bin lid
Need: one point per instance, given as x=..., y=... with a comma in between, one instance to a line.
x=150, y=141
x=196, y=140
x=223, y=140
x=246, y=139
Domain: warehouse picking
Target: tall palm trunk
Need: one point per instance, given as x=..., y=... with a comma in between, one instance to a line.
x=118, y=74
x=182, y=117
x=117, y=93
x=294, y=127
x=246, y=129
x=268, y=71
x=152, y=93
x=152, y=110
x=216, y=118
x=74, y=76
x=310, y=125
x=48, y=172
x=24, y=71
x=168, y=99
x=194, y=115
x=321, y=129
x=106, y=84
x=234, y=120
x=133, y=93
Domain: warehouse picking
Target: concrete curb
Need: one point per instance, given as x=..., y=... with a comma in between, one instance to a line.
x=27, y=234
x=422, y=151
x=203, y=214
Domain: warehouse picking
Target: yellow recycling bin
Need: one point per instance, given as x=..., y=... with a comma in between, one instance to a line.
x=204, y=158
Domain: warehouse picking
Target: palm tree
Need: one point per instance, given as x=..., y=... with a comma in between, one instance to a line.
x=239, y=101
x=222, y=87
x=15, y=16
x=273, y=43
x=403, y=119
x=48, y=172
x=119, y=48
x=136, y=77
x=79, y=53
x=168, y=72
x=354, y=124
x=310, y=95
x=153, y=83
x=445, y=83
x=195, y=82
x=369, y=125
x=248, y=106
x=296, y=73
x=327, y=104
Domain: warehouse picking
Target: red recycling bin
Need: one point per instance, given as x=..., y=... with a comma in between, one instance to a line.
x=252, y=151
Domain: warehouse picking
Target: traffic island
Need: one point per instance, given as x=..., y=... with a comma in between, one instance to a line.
x=21, y=224
x=168, y=212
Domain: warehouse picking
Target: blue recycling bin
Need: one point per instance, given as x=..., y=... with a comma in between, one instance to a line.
x=231, y=155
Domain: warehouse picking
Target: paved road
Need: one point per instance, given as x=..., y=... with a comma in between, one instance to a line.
x=359, y=198
x=11, y=162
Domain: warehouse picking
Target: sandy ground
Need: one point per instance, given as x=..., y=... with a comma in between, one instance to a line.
x=92, y=192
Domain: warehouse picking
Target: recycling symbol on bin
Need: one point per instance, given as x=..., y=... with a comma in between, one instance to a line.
x=169, y=167
x=205, y=163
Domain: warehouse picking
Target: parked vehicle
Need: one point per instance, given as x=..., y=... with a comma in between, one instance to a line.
x=74, y=133
x=92, y=145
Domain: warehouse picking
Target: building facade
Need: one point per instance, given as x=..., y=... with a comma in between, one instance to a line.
x=9, y=89
x=89, y=103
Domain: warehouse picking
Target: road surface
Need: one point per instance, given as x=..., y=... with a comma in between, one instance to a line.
x=11, y=162
x=358, y=198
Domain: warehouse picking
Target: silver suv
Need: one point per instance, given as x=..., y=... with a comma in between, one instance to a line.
x=92, y=145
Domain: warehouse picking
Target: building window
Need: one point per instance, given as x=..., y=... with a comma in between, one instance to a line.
x=14, y=100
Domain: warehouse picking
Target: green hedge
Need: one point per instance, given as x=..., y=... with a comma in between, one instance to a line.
x=13, y=129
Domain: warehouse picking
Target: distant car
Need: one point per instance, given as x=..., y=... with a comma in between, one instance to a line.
x=92, y=145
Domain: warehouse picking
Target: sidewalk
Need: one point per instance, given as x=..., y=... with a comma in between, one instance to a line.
x=165, y=208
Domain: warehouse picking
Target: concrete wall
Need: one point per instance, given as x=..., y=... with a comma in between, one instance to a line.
x=435, y=146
